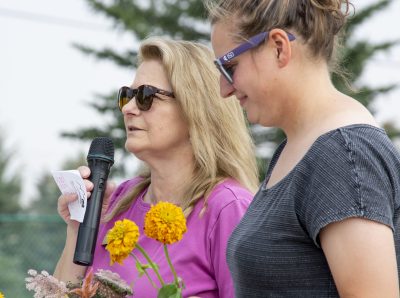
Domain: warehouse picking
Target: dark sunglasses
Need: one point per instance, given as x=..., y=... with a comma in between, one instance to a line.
x=143, y=94
x=254, y=41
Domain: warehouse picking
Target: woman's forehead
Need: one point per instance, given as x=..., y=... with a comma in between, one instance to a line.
x=151, y=72
x=221, y=39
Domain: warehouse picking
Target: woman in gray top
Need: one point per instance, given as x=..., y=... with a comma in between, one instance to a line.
x=325, y=222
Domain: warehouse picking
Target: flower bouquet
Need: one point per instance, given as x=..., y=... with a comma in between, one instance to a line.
x=102, y=284
x=164, y=222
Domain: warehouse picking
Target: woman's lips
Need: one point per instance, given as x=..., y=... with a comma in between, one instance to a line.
x=133, y=128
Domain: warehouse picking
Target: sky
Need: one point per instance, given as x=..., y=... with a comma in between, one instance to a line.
x=46, y=84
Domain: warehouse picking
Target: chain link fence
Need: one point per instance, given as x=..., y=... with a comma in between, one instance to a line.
x=28, y=242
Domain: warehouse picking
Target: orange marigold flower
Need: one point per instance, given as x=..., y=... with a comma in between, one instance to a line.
x=121, y=240
x=165, y=223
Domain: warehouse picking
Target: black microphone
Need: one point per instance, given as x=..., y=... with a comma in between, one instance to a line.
x=100, y=159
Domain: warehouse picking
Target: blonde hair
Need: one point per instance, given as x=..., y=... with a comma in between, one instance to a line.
x=317, y=22
x=222, y=146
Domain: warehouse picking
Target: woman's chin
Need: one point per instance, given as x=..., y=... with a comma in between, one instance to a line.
x=133, y=148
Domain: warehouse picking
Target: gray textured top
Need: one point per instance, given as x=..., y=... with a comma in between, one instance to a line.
x=353, y=171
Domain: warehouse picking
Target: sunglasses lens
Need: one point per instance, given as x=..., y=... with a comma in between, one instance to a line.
x=227, y=72
x=144, y=97
x=124, y=96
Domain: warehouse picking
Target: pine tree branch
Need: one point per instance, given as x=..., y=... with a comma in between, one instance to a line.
x=363, y=15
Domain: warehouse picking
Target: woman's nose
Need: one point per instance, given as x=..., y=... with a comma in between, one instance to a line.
x=131, y=107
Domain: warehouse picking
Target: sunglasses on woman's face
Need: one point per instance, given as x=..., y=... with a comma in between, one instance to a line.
x=143, y=94
x=222, y=62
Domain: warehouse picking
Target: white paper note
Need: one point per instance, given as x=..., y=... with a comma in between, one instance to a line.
x=71, y=182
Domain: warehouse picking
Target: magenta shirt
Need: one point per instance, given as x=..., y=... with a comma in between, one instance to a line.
x=199, y=258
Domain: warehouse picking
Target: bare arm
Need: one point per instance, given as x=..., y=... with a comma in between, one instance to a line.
x=362, y=258
x=66, y=270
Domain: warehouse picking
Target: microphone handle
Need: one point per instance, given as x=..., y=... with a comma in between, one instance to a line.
x=88, y=229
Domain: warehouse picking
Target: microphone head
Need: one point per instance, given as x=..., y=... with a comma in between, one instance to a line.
x=102, y=148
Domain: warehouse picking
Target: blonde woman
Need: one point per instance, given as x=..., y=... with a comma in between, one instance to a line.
x=197, y=153
x=326, y=220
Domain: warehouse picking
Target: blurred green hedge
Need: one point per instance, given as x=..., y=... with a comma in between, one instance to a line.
x=28, y=242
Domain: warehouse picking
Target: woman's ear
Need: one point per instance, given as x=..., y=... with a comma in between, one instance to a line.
x=280, y=42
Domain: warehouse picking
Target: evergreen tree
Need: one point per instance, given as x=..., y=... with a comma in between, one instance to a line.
x=10, y=184
x=186, y=19
x=10, y=190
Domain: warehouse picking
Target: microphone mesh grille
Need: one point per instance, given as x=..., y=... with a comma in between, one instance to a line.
x=102, y=146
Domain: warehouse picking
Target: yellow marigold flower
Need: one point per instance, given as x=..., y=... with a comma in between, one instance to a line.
x=1, y=295
x=121, y=240
x=165, y=223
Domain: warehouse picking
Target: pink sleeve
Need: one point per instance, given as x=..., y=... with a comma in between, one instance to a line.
x=226, y=221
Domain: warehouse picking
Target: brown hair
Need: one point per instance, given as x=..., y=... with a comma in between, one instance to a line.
x=317, y=22
x=222, y=145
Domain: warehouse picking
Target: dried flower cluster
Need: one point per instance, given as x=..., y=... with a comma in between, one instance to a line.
x=111, y=285
x=102, y=284
x=45, y=285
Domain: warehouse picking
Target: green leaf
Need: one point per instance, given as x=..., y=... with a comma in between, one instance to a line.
x=169, y=291
x=141, y=268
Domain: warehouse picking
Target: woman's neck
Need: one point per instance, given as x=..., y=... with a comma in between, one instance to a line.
x=169, y=181
x=310, y=101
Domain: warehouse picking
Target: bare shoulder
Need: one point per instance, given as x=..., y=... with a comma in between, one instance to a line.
x=351, y=111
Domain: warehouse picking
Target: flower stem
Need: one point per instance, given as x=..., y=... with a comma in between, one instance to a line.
x=145, y=271
x=153, y=266
x=170, y=265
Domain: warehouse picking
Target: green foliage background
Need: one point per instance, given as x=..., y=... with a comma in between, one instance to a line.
x=186, y=19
